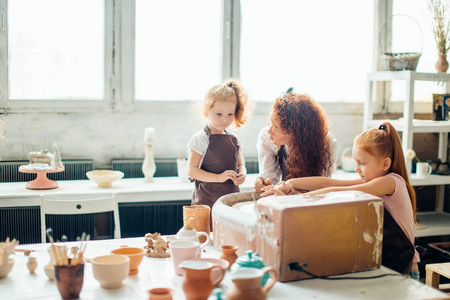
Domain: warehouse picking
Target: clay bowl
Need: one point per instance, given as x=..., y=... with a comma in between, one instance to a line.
x=110, y=270
x=104, y=178
x=6, y=267
x=135, y=254
x=50, y=272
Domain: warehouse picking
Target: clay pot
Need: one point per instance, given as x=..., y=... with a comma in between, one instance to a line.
x=229, y=253
x=160, y=294
x=32, y=264
x=247, y=284
x=197, y=282
x=442, y=63
x=202, y=218
x=69, y=280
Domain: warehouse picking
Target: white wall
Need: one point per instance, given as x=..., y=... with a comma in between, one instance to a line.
x=102, y=135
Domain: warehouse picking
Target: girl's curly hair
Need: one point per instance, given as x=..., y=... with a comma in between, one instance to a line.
x=230, y=89
x=310, y=145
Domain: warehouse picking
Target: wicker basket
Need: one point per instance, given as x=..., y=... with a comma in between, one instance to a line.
x=400, y=61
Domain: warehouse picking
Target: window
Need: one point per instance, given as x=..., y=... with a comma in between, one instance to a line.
x=56, y=49
x=307, y=45
x=178, y=48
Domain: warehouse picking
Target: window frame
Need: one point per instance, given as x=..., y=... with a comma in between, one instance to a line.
x=120, y=60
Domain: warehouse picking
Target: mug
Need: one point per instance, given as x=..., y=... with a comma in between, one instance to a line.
x=182, y=250
x=423, y=169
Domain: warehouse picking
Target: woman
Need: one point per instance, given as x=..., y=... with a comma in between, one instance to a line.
x=297, y=142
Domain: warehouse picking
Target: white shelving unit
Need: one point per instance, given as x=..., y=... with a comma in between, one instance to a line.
x=437, y=222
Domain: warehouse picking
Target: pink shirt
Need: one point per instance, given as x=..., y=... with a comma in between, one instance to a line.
x=399, y=206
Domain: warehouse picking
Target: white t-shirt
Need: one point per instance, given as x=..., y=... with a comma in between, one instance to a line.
x=267, y=152
x=200, y=141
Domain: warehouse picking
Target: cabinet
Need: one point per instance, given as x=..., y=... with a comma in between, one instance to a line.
x=436, y=222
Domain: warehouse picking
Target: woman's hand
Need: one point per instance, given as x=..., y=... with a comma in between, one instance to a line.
x=261, y=182
x=239, y=179
x=282, y=188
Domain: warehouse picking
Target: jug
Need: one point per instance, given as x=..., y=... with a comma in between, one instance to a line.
x=250, y=260
x=187, y=232
x=247, y=283
x=197, y=282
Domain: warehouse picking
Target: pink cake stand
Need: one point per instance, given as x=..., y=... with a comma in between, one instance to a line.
x=41, y=182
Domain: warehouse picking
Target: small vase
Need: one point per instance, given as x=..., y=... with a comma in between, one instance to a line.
x=149, y=167
x=32, y=264
x=229, y=254
x=442, y=63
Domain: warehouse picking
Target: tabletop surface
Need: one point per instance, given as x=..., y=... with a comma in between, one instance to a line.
x=159, y=272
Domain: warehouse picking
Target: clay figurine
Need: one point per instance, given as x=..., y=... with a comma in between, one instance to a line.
x=156, y=245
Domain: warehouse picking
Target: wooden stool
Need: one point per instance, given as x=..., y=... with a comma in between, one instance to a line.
x=434, y=271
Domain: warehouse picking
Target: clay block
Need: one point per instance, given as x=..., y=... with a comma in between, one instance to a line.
x=329, y=234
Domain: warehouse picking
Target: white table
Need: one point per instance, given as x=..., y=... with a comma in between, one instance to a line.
x=158, y=272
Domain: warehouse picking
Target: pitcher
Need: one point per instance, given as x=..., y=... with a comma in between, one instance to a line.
x=197, y=282
x=187, y=232
x=247, y=284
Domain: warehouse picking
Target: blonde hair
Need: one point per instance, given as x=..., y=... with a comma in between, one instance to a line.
x=382, y=142
x=230, y=90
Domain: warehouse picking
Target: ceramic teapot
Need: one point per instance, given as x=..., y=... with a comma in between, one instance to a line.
x=197, y=281
x=250, y=260
x=188, y=233
x=246, y=283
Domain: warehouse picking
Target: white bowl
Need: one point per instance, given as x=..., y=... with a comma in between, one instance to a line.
x=6, y=267
x=104, y=178
x=110, y=270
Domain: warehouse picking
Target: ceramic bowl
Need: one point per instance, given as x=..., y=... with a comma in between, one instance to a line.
x=50, y=272
x=135, y=254
x=110, y=270
x=5, y=268
x=104, y=178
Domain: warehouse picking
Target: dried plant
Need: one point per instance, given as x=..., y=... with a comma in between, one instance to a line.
x=440, y=24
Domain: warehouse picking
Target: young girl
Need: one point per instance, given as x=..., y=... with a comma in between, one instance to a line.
x=297, y=143
x=215, y=159
x=382, y=170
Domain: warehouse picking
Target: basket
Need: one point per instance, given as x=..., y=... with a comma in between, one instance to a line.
x=401, y=60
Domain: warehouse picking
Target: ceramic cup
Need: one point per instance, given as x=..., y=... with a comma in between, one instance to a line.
x=182, y=250
x=69, y=280
x=160, y=293
x=135, y=254
x=110, y=270
x=423, y=169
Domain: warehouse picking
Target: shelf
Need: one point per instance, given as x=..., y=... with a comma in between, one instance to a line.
x=419, y=126
x=436, y=224
x=408, y=75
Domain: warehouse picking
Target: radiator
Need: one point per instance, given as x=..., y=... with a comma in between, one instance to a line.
x=132, y=168
x=21, y=223
x=74, y=169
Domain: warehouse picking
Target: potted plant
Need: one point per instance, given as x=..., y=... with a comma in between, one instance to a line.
x=440, y=25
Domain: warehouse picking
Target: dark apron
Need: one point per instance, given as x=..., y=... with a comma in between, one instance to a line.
x=398, y=251
x=282, y=161
x=221, y=155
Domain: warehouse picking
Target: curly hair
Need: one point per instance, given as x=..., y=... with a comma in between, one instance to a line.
x=230, y=90
x=310, y=145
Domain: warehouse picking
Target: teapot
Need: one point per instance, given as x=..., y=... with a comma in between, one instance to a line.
x=187, y=232
x=246, y=283
x=250, y=260
x=197, y=281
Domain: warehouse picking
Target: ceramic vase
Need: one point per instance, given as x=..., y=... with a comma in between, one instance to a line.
x=229, y=254
x=201, y=215
x=32, y=264
x=442, y=63
x=149, y=167
x=69, y=280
